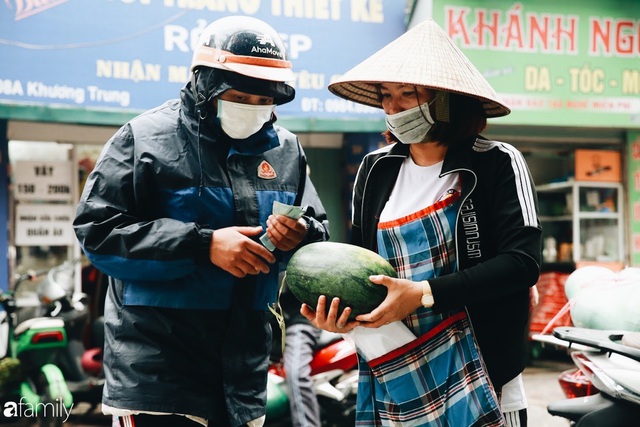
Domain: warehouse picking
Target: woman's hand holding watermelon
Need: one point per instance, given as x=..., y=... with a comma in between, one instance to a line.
x=403, y=298
x=333, y=320
x=340, y=273
x=284, y=232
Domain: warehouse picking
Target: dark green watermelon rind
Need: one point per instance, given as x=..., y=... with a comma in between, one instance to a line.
x=308, y=279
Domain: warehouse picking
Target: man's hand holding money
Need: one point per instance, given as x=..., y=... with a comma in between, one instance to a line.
x=285, y=227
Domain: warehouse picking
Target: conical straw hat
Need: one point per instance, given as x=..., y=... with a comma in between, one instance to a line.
x=423, y=56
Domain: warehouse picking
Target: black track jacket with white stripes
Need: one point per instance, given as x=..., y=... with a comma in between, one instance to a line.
x=497, y=242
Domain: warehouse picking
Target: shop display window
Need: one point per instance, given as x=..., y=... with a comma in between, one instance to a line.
x=45, y=179
x=582, y=222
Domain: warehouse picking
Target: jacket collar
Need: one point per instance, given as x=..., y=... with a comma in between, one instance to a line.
x=458, y=156
x=380, y=184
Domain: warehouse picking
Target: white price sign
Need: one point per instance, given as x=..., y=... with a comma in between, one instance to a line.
x=44, y=225
x=43, y=180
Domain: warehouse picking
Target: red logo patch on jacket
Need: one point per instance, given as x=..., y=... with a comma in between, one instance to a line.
x=266, y=171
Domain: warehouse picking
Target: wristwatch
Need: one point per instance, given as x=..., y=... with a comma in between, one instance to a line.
x=427, y=296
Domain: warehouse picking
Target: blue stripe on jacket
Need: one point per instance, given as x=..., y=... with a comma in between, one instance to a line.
x=183, y=283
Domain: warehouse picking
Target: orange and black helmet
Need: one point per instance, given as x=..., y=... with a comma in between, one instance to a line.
x=249, y=48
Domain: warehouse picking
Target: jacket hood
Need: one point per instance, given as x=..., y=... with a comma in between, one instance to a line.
x=208, y=129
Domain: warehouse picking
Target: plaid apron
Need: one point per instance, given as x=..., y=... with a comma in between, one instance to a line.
x=438, y=379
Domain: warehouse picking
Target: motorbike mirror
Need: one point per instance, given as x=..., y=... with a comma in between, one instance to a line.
x=49, y=292
x=58, y=284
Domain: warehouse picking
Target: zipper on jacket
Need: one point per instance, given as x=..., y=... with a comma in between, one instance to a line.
x=366, y=181
x=464, y=199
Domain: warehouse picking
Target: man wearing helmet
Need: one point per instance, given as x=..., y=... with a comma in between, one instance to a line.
x=173, y=212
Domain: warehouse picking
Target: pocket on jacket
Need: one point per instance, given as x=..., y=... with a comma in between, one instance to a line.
x=438, y=378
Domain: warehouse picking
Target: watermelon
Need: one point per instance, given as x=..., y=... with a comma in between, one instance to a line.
x=338, y=270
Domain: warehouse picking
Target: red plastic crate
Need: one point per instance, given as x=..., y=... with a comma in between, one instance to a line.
x=552, y=299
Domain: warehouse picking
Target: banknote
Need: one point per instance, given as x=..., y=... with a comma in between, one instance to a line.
x=294, y=212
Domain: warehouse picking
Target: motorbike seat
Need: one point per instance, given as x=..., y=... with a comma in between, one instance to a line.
x=38, y=323
x=578, y=407
x=631, y=339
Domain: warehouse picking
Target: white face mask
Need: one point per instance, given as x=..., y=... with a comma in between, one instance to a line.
x=240, y=121
x=410, y=126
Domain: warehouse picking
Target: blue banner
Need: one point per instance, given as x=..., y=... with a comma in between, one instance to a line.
x=131, y=55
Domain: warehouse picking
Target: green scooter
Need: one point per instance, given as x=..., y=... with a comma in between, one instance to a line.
x=32, y=388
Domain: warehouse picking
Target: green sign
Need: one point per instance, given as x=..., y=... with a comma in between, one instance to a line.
x=573, y=63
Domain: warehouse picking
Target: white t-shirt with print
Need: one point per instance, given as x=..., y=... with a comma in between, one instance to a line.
x=416, y=188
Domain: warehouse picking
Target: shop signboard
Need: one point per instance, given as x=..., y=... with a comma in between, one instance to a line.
x=43, y=180
x=571, y=63
x=633, y=185
x=43, y=212
x=126, y=56
x=597, y=165
x=39, y=224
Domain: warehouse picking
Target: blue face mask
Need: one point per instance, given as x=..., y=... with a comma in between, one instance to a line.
x=411, y=126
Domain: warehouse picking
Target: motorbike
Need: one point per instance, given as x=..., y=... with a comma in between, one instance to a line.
x=334, y=370
x=605, y=387
x=32, y=386
x=81, y=360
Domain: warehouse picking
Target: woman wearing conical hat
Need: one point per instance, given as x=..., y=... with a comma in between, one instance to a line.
x=456, y=215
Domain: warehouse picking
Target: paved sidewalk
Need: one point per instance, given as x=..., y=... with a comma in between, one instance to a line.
x=540, y=382
x=541, y=385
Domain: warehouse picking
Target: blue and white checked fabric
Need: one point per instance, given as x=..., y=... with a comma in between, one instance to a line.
x=439, y=379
